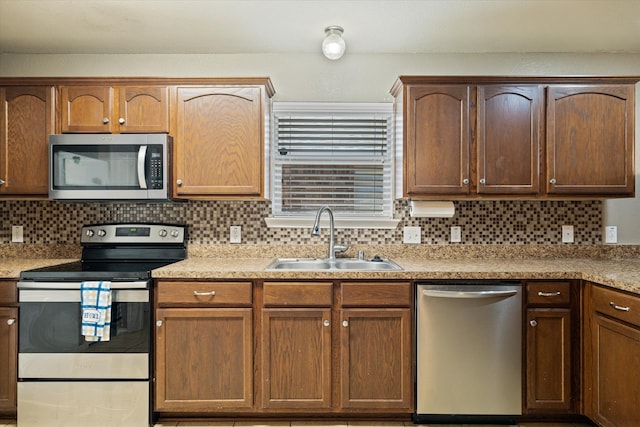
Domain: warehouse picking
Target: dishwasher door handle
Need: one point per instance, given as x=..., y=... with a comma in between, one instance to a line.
x=468, y=294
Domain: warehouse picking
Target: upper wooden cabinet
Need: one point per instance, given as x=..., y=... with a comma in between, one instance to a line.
x=436, y=146
x=484, y=137
x=109, y=109
x=590, y=139
x=508, y=139
x=27, y=118
x=220, y=141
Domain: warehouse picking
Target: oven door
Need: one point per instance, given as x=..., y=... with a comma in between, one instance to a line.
x=51, y=344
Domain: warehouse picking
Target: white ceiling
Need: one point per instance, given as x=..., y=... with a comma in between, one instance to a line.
x=297, y=26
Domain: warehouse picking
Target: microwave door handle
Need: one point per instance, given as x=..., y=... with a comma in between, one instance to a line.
x=142, y=156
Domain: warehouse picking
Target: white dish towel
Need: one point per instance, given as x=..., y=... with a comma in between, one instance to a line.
x=95, y=301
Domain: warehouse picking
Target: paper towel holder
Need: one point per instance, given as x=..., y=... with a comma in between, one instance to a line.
x=431, y=209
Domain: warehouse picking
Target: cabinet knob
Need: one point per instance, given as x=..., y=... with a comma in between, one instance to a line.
x=533, y=323
x=121, y=121
x=179, y=181
x=158, y=323
x=326, y=323
x=552, y=181
x=1, y=182
x=483, y=181
x=465, y=181
x=105, y=120
x=345, y=323
x=11, y=321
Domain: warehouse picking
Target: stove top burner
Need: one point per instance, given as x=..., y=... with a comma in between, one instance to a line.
x=119, y=252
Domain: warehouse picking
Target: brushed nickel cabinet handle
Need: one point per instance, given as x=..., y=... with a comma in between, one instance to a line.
x=345, y=323
x=204, y=294
x=105, y=120
x=483, y=181
x=11, y=321
x=121, y=121
x=619, y=307
x=465, y=181
x=552, y=181
x=549, y=294
x=179, y=181
x=326, y=323
x=533, y=323
x=158, y=323
x=1, y=182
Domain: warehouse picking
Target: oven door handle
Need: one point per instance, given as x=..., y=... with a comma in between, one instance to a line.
x=27, y=284
x=73, y=296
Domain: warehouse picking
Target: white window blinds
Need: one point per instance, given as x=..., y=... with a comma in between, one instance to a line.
x=340, y=155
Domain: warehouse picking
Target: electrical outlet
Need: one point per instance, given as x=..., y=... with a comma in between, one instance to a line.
x=411, y=234
x=17, y=234
x=567, y=234
x=235, y=234
x=456, y=234
x=611, y=234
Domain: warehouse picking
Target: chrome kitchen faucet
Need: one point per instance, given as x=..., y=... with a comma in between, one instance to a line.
x=315, y=231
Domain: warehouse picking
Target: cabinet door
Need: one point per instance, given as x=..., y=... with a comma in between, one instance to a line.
x=8, y=358
x=204, y=359
x=437, y=140
x=86, y=109
x=27, y=119
x=548, y=360
x=590, y=140
x=296, y=358
x=219, y=144
x=375, y=354
x=143, y=109
x=616, y=373
x=508, y=139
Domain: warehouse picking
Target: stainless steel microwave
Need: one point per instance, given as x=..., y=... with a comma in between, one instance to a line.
x=109, y=167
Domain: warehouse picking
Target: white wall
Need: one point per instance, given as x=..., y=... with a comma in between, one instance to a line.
x=354, y=78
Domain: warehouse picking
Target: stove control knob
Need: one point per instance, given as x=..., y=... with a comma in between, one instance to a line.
x=89, y=233
x=101, y=233
x=162, y=233
x=174, y=233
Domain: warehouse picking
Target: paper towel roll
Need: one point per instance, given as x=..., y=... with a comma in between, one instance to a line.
x=429, y=209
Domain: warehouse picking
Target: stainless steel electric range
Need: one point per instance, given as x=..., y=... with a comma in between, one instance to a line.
x=67, y=378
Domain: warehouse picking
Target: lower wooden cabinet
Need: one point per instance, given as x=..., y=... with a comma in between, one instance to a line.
x=550, y=356
x=347, y=351
x=8, y=346
x=204, y=347
x=613, y=374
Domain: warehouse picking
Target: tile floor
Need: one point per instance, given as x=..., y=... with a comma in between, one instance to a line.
x=336, y=424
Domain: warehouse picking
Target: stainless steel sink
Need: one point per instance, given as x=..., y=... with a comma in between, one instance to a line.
x=323, y=264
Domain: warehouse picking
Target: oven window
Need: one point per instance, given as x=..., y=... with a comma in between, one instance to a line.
x=54, y=327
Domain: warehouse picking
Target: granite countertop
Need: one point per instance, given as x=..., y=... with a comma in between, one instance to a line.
x=10, y=268
x=621, y=274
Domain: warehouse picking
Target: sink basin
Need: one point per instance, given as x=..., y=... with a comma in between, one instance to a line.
x=323, y=264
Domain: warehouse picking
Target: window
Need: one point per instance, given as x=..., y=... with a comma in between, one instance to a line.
x=340, y=155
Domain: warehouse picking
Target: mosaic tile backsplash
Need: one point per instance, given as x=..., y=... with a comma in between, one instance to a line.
x=482, y=222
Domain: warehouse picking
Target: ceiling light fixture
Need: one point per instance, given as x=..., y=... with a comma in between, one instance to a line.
x=333, y=44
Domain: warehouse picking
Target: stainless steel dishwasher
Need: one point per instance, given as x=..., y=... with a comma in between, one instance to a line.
x=469, y=352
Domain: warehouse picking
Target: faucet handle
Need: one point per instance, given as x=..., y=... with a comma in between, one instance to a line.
x=340, y=248
x=361, y=255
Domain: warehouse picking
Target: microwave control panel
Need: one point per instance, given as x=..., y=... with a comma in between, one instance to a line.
x=155, y=167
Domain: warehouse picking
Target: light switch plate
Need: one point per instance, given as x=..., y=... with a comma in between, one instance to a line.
x=411, y=235
x=567, y=234
x=456, y=234
x=17, y=234
x=611, y=234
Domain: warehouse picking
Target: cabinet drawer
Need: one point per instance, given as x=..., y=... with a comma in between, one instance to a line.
x=204, y=293
x=549, y=293
x=617, y=304
x=376, y=294
x=8, y=292
x=292, y=294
